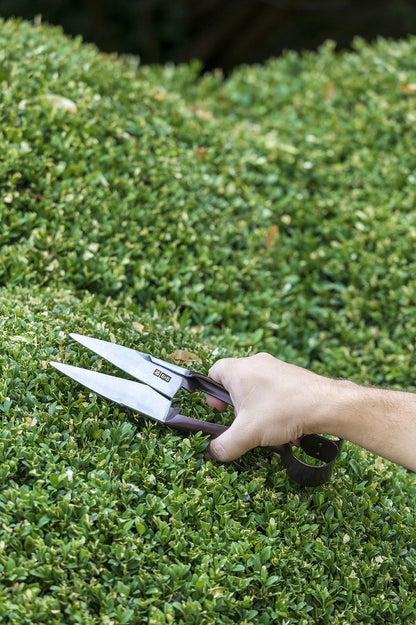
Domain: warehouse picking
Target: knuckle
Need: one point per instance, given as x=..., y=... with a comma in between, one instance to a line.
x=222, y=369
x=263, y=356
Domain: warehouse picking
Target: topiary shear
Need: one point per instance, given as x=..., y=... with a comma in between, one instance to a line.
x=159, y=383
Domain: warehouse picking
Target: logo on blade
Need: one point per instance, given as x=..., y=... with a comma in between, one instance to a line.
x=163, y=376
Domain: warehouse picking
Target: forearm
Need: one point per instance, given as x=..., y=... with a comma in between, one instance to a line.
x=383, y=421
x=276, y=402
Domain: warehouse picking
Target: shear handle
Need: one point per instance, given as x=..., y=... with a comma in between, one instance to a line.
x=317, y=447
x=299, y=471
x=180, y=422
x=196, y=381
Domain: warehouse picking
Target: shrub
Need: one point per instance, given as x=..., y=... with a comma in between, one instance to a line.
x=273, y=210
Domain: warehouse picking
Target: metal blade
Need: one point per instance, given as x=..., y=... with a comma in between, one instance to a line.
x=135, y=363
x=133, y=395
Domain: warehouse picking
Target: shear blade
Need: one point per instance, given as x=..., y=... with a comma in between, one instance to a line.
x=135, y=363
x=127, y=393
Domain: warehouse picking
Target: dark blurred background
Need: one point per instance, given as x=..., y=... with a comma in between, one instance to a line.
x=221, y=33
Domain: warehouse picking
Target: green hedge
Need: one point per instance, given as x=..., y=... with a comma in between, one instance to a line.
x=274, y=210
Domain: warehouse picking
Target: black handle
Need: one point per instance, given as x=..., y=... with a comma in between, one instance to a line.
x=301, y=472
x=180, y=422
x=197, y=381
x=316, y=447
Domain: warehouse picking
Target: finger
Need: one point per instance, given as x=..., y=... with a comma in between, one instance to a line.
x=220, y=371
x=213, y=402
x=230, y=445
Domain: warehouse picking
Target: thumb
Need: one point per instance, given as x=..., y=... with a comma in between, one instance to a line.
x=232, y=444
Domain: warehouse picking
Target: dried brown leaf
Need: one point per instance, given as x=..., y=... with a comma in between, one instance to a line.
x=329, y=92
x=183, y=357
x=408, y=89
x=271, y=237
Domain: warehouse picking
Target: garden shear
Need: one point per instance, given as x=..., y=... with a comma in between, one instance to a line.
x=159, y=383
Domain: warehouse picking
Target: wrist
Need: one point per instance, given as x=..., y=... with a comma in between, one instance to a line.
x=336, y=409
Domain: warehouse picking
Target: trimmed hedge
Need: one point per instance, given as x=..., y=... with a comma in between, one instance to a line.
x=159, y=208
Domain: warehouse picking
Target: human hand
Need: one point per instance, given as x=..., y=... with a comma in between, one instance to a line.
x=274, y=403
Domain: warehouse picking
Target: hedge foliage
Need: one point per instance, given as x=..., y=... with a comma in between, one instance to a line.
x=273, y=210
